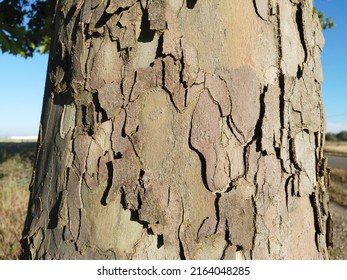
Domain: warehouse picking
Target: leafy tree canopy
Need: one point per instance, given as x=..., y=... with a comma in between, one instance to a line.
x=341, y=136
x=25, y=25
x=330, y=137
x=324, y=21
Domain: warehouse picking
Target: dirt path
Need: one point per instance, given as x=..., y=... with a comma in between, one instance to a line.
x=339, y=214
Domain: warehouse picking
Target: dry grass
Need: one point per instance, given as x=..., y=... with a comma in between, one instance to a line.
x=338, y=188
x=15, y=174
x=338, y=148
x=338, y=195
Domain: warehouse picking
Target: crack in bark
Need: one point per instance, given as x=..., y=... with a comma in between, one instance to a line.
x=299, y=22
x=317, y=220
x=146, y=34
x=201, y=227
x=104, y=199
x=259, y=9
x=258, y=132
x=255, y=215
x=132, y=88
x=227, y=240
x=299, y=73
x=159, y=52
x=316, y=210
x=54, y=212
x=160, y=241
x=101, y=114
x=180, y=242
x=88, y=119
x=292, y=155
x=289, y=186
x=246, y=156
x=216, y=205
x=235, y=130
x=281, y=82
x=201, y=157
x=191, y=4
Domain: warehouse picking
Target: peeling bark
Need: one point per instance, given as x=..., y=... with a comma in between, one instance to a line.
x=172, y=130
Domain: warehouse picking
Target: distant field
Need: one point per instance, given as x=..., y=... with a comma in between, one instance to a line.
x=18, y=139
x=338, y=148
x=23, y=150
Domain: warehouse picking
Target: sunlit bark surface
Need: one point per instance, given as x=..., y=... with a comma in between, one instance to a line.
x=181, y=129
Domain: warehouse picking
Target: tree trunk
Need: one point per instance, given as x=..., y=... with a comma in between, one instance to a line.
x=181, y=129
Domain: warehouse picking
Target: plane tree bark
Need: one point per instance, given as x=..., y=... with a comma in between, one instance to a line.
x=181, y=129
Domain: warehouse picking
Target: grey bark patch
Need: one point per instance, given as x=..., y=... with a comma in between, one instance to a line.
x=144, y=54
x=156, y=14
x=119, y=6
x=245, y=91
x=110, y=99
x=205, y=138
x=67, y=122
x=239, y=213
x=172, y=41
x=172, y=82
x=146, y=79
x=219, y=92
x=207, y=227
x=190, y=63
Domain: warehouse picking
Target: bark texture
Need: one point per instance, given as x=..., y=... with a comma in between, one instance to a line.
x=181, y=129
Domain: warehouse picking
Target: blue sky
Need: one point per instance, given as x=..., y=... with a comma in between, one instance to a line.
x=22, y=83
x=22, y=80
x=334, y=60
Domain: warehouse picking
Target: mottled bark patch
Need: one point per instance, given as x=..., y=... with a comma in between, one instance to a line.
x=173, y=130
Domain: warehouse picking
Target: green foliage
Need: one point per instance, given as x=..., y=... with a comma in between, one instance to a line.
x=9, y=150
x=330, y=137
x=324, y=21
x=25, y=26
x=341, y=136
